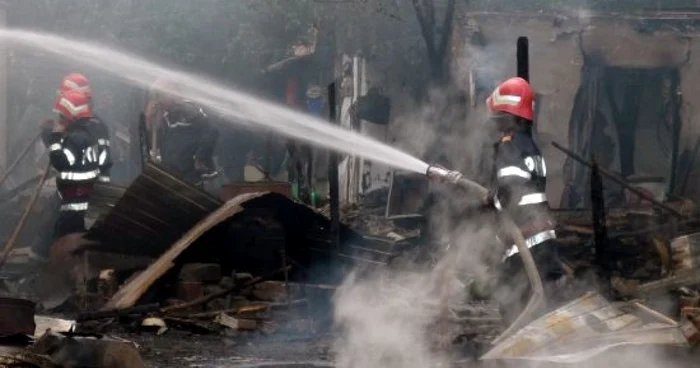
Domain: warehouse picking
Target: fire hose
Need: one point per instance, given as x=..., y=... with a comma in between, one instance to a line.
x=536, y=301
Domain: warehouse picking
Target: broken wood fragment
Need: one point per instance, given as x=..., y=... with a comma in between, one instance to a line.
x=111, y=313
x=585, y=230
x=271, y=291
x=161, y=326
x=244, y=310
x=129, y=294
x=207, y=298
x=192, y=325
x=685, y=278
x=236, y=323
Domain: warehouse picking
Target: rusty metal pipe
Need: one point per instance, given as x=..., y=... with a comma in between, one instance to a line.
x=536, y=301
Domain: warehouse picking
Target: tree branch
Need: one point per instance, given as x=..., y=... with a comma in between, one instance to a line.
x=426, y=29
x=446, y=29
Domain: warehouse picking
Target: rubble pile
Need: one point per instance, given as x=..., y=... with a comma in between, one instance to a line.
x=205, y=301
x=370, y=221
x=638, y=246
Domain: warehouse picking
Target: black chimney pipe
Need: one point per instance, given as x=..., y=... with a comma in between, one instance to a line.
x=523, y=56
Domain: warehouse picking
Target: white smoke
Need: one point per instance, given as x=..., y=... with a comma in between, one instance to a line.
x=385, y=322
x=399, y=318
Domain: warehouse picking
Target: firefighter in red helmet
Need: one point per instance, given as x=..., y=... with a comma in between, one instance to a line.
x=79, y=83
x=76, y=82
x=73, y=152
x=519, y=181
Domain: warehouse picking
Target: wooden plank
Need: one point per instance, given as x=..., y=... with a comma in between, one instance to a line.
x=129, y=294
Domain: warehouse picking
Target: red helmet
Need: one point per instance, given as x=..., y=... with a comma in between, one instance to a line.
x=73, y=105
x=76, y=82
x=515, y=97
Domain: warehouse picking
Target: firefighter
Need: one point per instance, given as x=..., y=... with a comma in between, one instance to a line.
x=519, y=180
x=186, y=137
x=73, y=152
x=80, y=83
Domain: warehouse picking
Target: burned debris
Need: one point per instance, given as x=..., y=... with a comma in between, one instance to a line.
x=243, y=267
x=504, y=244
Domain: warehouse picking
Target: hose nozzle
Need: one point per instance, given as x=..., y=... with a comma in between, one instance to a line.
x=440, y=173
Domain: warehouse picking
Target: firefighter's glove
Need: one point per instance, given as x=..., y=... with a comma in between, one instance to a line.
x=59, y=128
x=200, y=166
x=204, y=170
x=487, y=203
x=47, y=124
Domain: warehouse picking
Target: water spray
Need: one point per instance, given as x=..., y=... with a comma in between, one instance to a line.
x=238, y=107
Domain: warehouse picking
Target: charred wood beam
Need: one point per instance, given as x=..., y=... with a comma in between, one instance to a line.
x=676, y=281
x=690, y=165
x=446, y=29
x=675, y=104
x=620, y=181
x=600, y=229
x=437, y=38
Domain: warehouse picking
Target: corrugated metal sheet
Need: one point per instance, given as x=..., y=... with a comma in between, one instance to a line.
x=104, y=198
x=587, y=327
x=149, y=215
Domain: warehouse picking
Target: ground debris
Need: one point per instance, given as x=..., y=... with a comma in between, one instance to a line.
x=88, y=351
x=158, y=323
x=370, y=222
x=235, y=323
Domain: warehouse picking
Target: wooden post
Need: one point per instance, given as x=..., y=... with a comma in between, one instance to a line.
x=333, y=181
x=600, y=229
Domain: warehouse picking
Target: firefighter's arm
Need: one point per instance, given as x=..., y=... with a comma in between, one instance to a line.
x=61, y=156
x=46, y=130
x=511, y=176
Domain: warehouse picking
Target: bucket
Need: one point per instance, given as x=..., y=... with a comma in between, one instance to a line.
x=17, y=317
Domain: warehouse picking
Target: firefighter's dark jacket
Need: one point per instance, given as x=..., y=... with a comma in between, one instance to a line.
x=187, y=135
x=75, y=155
x=519, y=182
